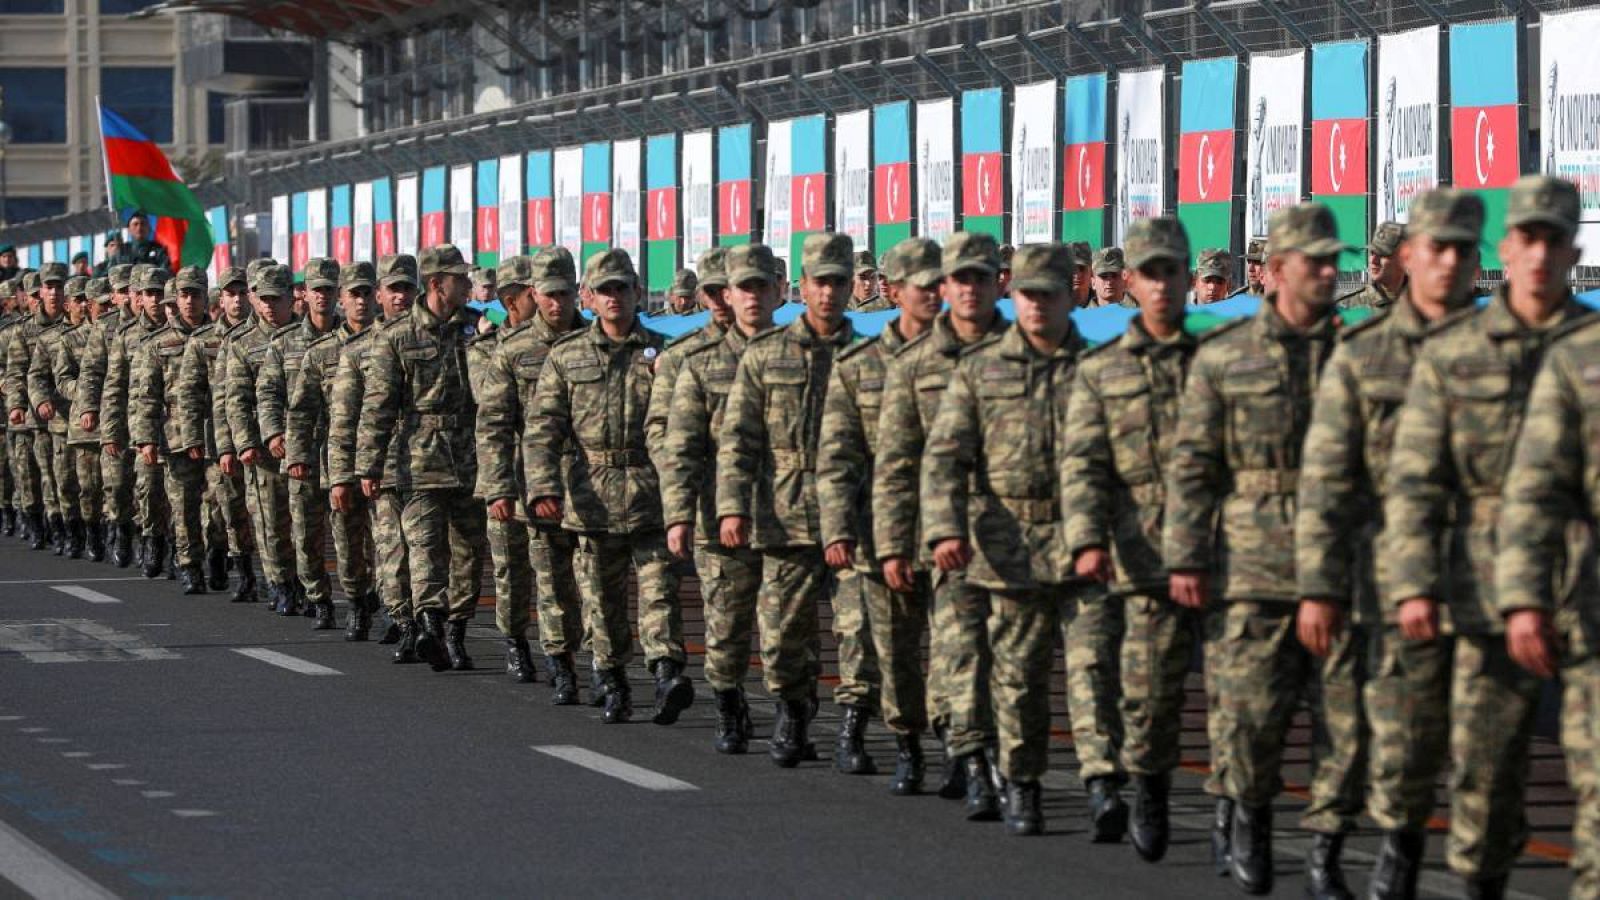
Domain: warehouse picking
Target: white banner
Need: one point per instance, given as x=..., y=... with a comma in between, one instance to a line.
x=567, y=189
x=407, y=217
x=1569, y=104
x=699, y=195
x=280, y=228
x=1033, y=163
x=627, y=160
x=780, y=165
x=512, y=205
x=1275, y=172
x=361, y=221
x=462, y=213
x=1408, y=119
x=935, y=169
x=1141, y=147
x=316, y=223
x=852, y=166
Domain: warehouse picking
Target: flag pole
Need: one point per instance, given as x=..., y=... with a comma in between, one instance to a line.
x=105, y=161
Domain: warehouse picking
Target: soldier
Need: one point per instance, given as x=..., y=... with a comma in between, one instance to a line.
x=1213, y=275
x=101, y=399
x=1452, y=446
x=681, y=297
x=865, y=295
x=140, y=249
x=712, y=285
x=51, y=406
x=1082, y=277
x=8, y=489
x=35, y=444
x=417, y=413
x=1386, y=276
x=149, y=492
x=8, y=262
x=305, y=448
x=1110, y=284
x=1241, y=424
x=593, y=392
x=894, y=621
x=1255, y=254
x=991, y=506
x=82, y=447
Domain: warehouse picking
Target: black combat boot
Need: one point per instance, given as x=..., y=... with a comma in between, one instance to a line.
x=95, y=542
x=358, y=624
x=455, y=643
x=953, y=776
x=298, y=589
x=1024, y=812
x=172, y=561
x=1150, y=827
x=77, y=538
x=58, y=535
x=122, y=545
x=1108, y=814
x=38, y=530
x=1252, y=849
x=217, y=568
x=1324, y=877
x=8, y=520
x=733, y=722
x=563, y=679
x=288, y=602
x=155, y=555
x=789, y=733
x=1222, y=837
x=909, y=767
x=519, y=661
x=246, y=591
x=326, y=619
x=983, y=804
x=850, y=749
x=405, y=650
x=618, y=696
x=674, y=691
x=194, y=581
x=391, y=630
x=431, y=640
x=597, y=689
x=1394, y=873
x=1492, y=888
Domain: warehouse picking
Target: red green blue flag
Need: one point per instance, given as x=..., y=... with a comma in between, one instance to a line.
x=661, y=215
x=541, y=203
x=1205, y=150
x=983, y=177
x=139, y=177
x=1083, y=164
x=808, y=183
x=1485, y=128
x=383, y=237
x=340, y=230
x=486, y=212
x=891, y=175
x=735, y=155
x=433, y=207
x=1339, y=176
x=299, y=234
x=596, y=199
x=221, y=250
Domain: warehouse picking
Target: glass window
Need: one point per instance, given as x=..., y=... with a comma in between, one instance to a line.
x=123, y=7
x=216, y=117
x=32, y=7
x=35, y=105
x=26, y=209
x=141, y=95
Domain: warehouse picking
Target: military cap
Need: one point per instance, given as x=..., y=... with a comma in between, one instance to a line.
x=1044, y=267
x=1108, y=261
x=444, y=259
x=169, y=291
x=137, y=275
x=1082, y=255
x=214, y=295
x=1448, y=215
x=1543, y=200
x=971, y=251
x=865, y=262
x=253, y=268
x=8, y=288
x=483, y=277
x=30, y=282
x=77, y=286
x=1006, y=252
x=1306, y=227
x=322, y=272
x=120, y=276
x=1255, y=250
x=752, y=262
x=826, y=254
x=1386, y=238
x=399, y=268
x=52, y=271
x=514, y=271
x=192, y=277
x=79, y=257
x=612, y=266
x=914, y=260
x=1160, y=237
x=1214, y=262
x=231, y=275
x=684, y=283
x=8, y=248
x=272, y=281
x=357, y=274
x=98, y=288
x=554, y=271
x=712, y=268
x=149, y=278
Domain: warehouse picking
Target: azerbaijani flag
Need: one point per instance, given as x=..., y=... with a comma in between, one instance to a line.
x=139, y=177
x=339, y=223
x=1485, y=129
x=808, y=184
x=433, y=208
x=983, y=176
x=1083, y=165
x=891, y=175
x=596, y=200
x=661, y=215
x=1339, y=142
x=1205, y=148
x=487, y=213
x=221, y=251
x=299, y=234
x=383, y=237
x=735, y=151
x=541, y=204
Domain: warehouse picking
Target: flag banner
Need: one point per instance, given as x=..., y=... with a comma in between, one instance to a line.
x=362, y=237
x=79, y=244
x=661, y=211
x=1033, y=163
x=222, y=248
x=808, y=187
x=627, y=164
x=339, y=226
x=852, y=166
x=383, y=227
x=1141, y=148
x=891, y=175
x=97, y=247
x=48, y=249
x=1083, y=160
x=508, y=197
x=1569, y=104
x=59, y=252
x=1339, y=142
x=407, y=214
x=299, y=225
x=461, y=208
x=540, y=191
x=138, y=176
x=486, y=213
x=280, y=227
x=776, y=206
x=568, y=194
x=1273, y=160
x=317, y=223
x=698, y=195
x=1485, y=124
x=31, y=257
x=435, y=200
x=1408, y=119
x=936, y=169
x=735, y=200
x=983, y=168
x=595, y=226
x=1205, y=150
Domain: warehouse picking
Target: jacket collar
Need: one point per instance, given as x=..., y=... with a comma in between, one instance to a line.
x=1500, y=322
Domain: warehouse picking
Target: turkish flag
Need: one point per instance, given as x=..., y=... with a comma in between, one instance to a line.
x=1083, y=177
x=661, y=222
x=342, y=250
x=891, y=193
x=383, y=238
x=488, y=229
x=597, y=218
x=733, y=207
x=982, y=184
x=809, y=199
x=541, y=221
x=1339, y=156
x=1205, y=168
x=1484, y=146
x=432, y=229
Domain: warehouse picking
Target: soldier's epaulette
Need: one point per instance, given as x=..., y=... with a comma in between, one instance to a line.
x=124, y=326
x=323, y=338
x=387, y=324
x=1346, y=296
x=767, y=333
x=1575, y=325
x=911, y=343
x=986, y=341
x=855, y=348
x=1224, y=328
x=1367, y=324
x=1100, y=348
x=204, y=330
x=482, y=338
x=685, y=343
x=697, y=349
x=1453, y=319
x=285, y=329
x=572, y=335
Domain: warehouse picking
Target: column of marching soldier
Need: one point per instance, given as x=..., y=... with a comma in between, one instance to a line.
x=1388, y=524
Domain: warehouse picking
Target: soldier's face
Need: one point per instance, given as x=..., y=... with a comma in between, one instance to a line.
x=8, y=259
x=1253, y=272
x=555, y=308
x=1043, y=315
x=1309, y=279
x=275, y=310
x=119, y=296
x=138, y=228
x=1158, y=287
x=864, y=285
x=683, y=303
x=919, y=304
x=972, y=294
x=614, y=302
x=715, y=299
x=1002, y=281
x=232, y=302
x=396, y=298
x=319, y=301
x=824, y=297
x=518, y=301
x=1539, y=258
x=51, y=297
x=1211, y=288
x=1439, y=271
x=192, y=305
x=75, y=310
x=150, y=303
x=1110, y=287
x=753, y=301
x=357, y=306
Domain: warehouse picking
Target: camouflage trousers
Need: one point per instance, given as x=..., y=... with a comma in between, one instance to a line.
x=150, y=497
x=1091, y=633
x=394, y=563
x=729, y=583
x=44, y=455
x=85, y=462
x=513, y=577
x=445, y=535
x=64, y=472
x=553, y=553
x=267, y=497
x=352, y=542
x=605, y=598
x=116, y=479
x=1460, y=701
x=24, y=470
x=794, y=582
x=1580, y=740
x=308, y=518
x=1219, y=722
x=8, y=479
x=1157, y=644
x=226, y=494
x=186, y=488
x=859, y=675
x=899, y=623
x=960, y=654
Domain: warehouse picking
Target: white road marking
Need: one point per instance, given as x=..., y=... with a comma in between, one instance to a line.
x=61, y=580
x=76, y=640
x=616, y=768
x=106, y=767
x=35, y=730
x=12, y=718
x=192, y=813
x=86, y=594
x=157, y=795
x=126, y=782
x=40, y=873
x=285, y=661
x=77, y=754
x=54, y=740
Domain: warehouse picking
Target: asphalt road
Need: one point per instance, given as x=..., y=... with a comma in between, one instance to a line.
x=149, y=747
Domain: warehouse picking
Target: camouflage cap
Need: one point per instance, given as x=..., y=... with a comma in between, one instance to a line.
x=192, y=277
x=483, y=277
x=1305, y=227
x=1543, y=200
x=149, y=278
x=1160, y=237
x=272, y=281
x=1044, y=267
x=1006, y=252
x=322, y=272
x=712, y=268
x=398, y=268
x=914, y=260
x=98, y=289
x=612, y=266
x=30, y=282
x=865, y=262
x=231, y=275
x=1447, y=215
x=752, y=262
x=8, y=288
x=971, y=251
x=1215, y=262
x=1386, y=238
x=1082, y=254
x=1255, y=250
x=214, y=295
x=77, y=286
x=514, y=272
x=120, y=275
x=52, y=271
x=444, y=259
x=253, y=268
x=684, y=283
x=169, y=291
x=827, y=254
x=554, y=271
x=357, y=275
x=1108, y=261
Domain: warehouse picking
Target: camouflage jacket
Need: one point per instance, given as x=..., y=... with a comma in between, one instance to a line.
x=1121, y=427
x=114, y=399
x=993, y=470
x=767, y=446
x=1370, y=296
x=1232, y=481
x=344, y=409
x=593, y=396
x=92, y=364
x=280, y=372
x=305, y=434
x=42, y=385
x=506, y=365
x=1452, y=445
x=850, y=442
x=202, y=389
x=668, y=364
x=417, y=412
x=26, y=337
x=65, y=371
x=875, y=303
x=153, y=388
x=688, y=462
x=914, y=383
x=246, y=352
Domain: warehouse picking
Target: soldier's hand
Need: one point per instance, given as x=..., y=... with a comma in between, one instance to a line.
x=17, y=417
x=952, y=554
x=1419, y=619
x=197, y=454
x=502, y=510
x=370, y=487
x=275, y=446
x=1189, y=589
x=147, y=452
x=89, y=422
x=1317, y=623
x=1531, y=641
x=734, y=531
x=112, y=450
x=548, y=508
x=680, y=540
x=339, y=498
x=46, y=411
x=250, y=457
x=299, y=471
x=229, y=464
x=899, y=575
x=1093, y=563
x=840, y=554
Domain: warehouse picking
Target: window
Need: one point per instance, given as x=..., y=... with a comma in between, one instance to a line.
x=32, y=7
x=35, y=105
x=26, y=209
x=122, y=7
x=216, y=117
x=143, y=96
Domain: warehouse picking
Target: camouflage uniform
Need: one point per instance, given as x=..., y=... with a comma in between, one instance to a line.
x=1385, y=241
x=32, y=441
x=83, y=447
x=92, y=385
x=122, y=478
x=51, y=442
x=8, y=291
x=864, y=263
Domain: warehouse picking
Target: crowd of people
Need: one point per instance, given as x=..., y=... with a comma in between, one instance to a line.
x=1388, y=523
